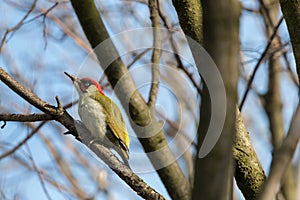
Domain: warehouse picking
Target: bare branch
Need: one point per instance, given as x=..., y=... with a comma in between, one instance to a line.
x=273, y=97
x=138, y=57
x=33, y=132
x=154, y=16
x=177, y=57
x=136, y=183
x=282, y=158
x=29, y=96
x=183, y=68
x=70, y=33
x=176, y=126
x=43, y=14
x=65, y=170
x=41, y=179
x=17, y=26
x=264, y=53
x=265, y=11
x=25, y=118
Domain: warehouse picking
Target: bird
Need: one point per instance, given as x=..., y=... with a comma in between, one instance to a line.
x=101, y=116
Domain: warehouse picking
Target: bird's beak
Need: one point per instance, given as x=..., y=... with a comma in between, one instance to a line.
x=76, y=82
x=73, y=78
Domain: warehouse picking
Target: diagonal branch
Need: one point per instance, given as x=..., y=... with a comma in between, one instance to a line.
x=29, y=96
x=17, y=26
x=82, y=134
x=249, y=173
x=282, y=158
x=176, y=54
x=33, y=132
x=263, y=55
x=64, y=169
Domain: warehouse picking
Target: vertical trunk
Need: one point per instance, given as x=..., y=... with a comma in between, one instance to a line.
x=214, y=173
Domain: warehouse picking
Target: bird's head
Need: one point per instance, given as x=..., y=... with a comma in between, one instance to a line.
x=85, y=85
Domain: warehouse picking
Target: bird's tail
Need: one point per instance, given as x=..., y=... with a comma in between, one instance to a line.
x=120, y=148
x=124, y=155
x=121, y=151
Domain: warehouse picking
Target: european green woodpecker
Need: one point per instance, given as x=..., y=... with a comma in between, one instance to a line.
x=101, y=116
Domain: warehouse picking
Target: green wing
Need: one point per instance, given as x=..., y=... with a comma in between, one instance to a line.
x=115, y=121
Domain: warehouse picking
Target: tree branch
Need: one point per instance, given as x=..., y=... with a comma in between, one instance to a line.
x=154, y=16
x=190, y=18
x=25, y=118
x=249, y=173
x=282, y=158
x=17, y=26
x=263, y=55
x=33, y=132
x=29, y=96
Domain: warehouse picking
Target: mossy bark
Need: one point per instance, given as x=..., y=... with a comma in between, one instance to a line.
x=190, y=18
x=249, y=174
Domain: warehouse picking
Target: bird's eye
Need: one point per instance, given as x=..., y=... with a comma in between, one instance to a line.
x=87, y=84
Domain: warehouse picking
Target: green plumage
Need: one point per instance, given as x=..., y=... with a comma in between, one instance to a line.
x=115, y=122
x=101, y=116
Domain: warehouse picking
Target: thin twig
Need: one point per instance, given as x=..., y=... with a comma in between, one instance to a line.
x=18, y=25
x=183, y=68
x=175, y=126
x=259, y=62
x=265, y=10
x=33, y=132
x=34, y=166
x=250, y=9
x=65, y=170
x=176, y=54
x=43, y=14
x=164, y=18
x=137, y=57
x=154, y=16
x=29, y=96
x=51, y=181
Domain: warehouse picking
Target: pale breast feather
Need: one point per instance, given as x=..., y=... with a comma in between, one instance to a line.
x=91, y=114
